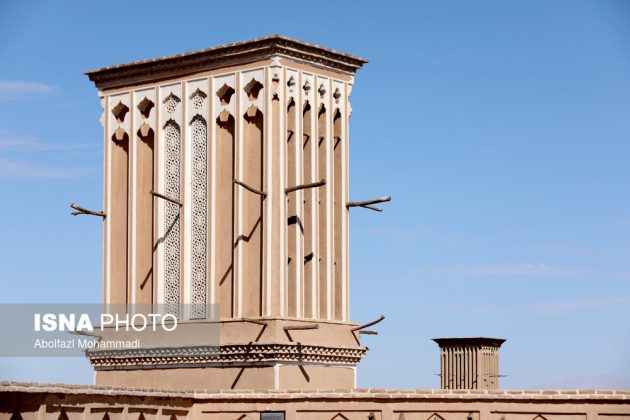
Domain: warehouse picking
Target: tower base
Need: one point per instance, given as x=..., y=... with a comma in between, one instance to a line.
x=285, y=354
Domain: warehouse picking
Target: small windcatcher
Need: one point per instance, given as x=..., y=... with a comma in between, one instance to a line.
x=469, y=363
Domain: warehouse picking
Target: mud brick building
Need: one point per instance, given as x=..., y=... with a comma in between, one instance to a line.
x=226, y=202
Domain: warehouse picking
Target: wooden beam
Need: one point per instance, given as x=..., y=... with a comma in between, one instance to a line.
x=378, y=209
x=366, y=203
x=251, y=189
x=82, y=210
x=166, y=197
x=298, y=327
x=369, y=324
x=301, y=327
x=304, y=186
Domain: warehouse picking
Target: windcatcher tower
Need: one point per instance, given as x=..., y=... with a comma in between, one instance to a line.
x=226, y=183
x=469, y=362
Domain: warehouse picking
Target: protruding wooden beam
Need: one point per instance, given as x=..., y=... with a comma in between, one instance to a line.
x=304, y=186
x=369, y=324
x=251, y=189
x=378, y=209
x=366, y=203
x=166, y=197
x=299, y=327
x=83, y=210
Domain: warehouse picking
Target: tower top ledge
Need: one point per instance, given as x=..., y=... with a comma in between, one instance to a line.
x=223, y=56
x=469, y=341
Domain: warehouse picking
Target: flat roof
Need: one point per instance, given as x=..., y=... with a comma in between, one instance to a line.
x=222, y=56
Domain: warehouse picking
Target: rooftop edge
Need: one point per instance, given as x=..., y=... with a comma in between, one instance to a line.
x=220, y=56
x=357, y=393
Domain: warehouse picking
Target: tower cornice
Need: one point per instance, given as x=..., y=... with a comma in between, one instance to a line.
x=222, y=56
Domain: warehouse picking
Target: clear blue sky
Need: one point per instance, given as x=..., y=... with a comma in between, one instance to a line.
x=501, y=129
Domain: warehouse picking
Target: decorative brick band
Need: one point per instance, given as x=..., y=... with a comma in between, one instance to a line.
x=224, y=355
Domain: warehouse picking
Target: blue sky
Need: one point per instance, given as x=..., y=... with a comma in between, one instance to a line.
x=501, y=129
